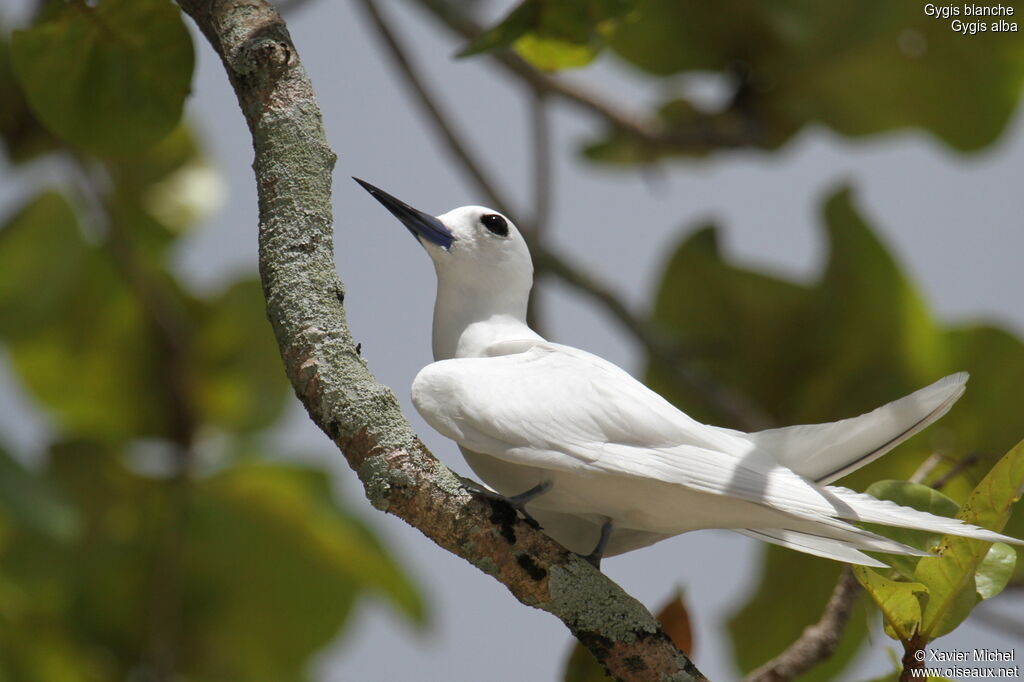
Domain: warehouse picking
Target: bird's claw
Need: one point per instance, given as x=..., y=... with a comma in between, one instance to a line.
x=519, y=502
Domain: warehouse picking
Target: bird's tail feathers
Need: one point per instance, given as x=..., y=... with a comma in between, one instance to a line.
x=856, y=506
x=826, y=452
x=812, y=544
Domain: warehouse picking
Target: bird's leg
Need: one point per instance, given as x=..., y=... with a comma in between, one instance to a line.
x=519, y=502
x=595, y=557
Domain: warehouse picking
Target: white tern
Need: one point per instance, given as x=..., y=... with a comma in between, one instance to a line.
x=604, y=464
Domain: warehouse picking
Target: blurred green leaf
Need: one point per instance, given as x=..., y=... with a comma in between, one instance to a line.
x=41, y=259
x=29, y=499
x=856, y=338
x=241, y=384
x=583, y=667
x=952, y=577
x=84, y=344
x=269, y=540
x=772, y=619
x=243, y=576
x=714, y=312
x=165, y=190
x=553, y=34
x=78, y=338
x=110, y=78
x=22, y=135
x=801, y=63
x=503, y=34
x=900, y=602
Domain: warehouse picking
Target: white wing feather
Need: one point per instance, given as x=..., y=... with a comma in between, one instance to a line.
x=615, y=448
x=826, y=452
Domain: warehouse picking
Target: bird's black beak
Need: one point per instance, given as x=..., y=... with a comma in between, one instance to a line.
x=419, y=223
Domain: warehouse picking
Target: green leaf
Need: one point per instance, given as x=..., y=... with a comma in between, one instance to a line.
x=553, y=34
x=952, y=577
x=243, y=576
x=900, y=602
x=737, y=325
x=22, y=135
x=583, y=667
x=995, y=570
x=771, y=619
x=503, y=34
x=240, y=385
x=919, y=497
x=800, y=63
x=304, y=560
x=78, y=336
x=713, y=311
x=111, y=79
x=865, y=337
x=30, y=499
x=84, y=343
x=41, y=259
x=552, y=54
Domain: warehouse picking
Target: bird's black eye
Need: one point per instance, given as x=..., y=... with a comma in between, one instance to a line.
x=495, y=223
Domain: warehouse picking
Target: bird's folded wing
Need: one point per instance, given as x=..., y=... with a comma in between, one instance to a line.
x=558, y=408
x=553, y=397
x=826, y=452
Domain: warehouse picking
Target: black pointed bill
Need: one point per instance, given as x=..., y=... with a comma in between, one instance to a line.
x=419, y=223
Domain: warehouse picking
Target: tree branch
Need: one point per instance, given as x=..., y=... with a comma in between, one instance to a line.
x=172, y=335
x=445, y=130
x=293, y=165
x=817, y=642
x=727, y=400
x=540, y=132
x=651, y=131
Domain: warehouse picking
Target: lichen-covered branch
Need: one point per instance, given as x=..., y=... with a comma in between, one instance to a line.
x=305, y=298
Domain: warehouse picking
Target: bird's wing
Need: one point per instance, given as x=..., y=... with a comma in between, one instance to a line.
x=553, y=397
x=559, y=408
x=826, y=452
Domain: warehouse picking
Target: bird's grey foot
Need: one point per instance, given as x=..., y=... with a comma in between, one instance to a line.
x=594, y=558
x=519, y=502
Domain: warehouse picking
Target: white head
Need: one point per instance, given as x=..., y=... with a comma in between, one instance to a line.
x=484, y=270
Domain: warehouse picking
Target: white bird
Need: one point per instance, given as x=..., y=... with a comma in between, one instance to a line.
x=605, y=464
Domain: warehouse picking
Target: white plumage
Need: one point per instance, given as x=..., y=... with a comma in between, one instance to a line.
x=612, y=453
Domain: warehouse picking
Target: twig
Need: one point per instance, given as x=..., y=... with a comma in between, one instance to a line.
x=459, y=149
x=961, y=464
x=543, y=176
x=172, y=334
x=650, y=131
x=726, y=400
x=671, y=357
x=305, y=304
x=817, y=642
x=542, y=190
x=926, y=468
